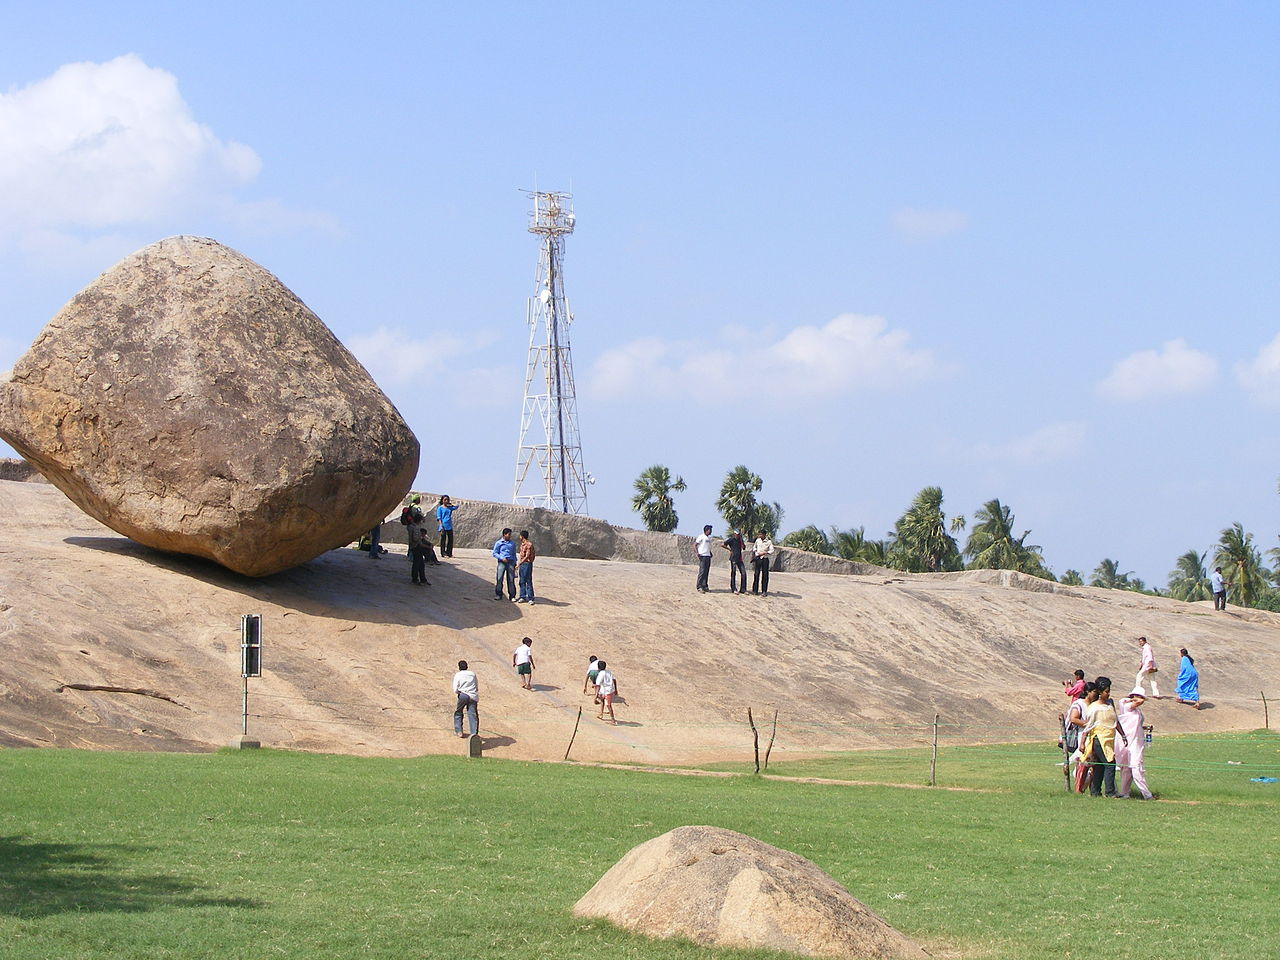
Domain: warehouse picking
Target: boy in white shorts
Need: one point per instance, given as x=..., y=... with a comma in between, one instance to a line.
x=607, y=688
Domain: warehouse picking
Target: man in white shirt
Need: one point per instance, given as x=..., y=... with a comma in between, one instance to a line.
x=522, y=660
x=467, y=687
x=1148, y=668
x=763, y=557
x=703, y=543
x=606, y=688
x=1219, y=587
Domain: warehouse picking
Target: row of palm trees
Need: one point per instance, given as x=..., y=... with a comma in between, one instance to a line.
x=1241, y=563
x=923, y=540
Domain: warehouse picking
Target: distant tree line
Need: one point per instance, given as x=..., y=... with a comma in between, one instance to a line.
x=923, y=540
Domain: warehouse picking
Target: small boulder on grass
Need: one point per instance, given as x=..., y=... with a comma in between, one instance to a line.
x=725, y=889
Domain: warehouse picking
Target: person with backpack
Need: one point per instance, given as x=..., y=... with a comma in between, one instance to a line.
x=412, y=513
x=1073, y=726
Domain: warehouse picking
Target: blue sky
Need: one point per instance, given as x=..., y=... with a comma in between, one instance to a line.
x=1025, y=251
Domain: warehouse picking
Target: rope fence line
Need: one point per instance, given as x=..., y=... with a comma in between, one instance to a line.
x=909, y=736
x=945, y=727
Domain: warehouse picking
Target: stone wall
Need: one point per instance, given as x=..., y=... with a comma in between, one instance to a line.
x=13, y=468
x=478, y=523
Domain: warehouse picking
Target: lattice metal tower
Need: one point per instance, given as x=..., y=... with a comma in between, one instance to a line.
x=549, y=458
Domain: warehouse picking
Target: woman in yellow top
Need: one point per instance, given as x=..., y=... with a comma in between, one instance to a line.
x=1100, y=729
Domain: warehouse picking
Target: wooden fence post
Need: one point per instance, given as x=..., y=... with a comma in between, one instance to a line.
x=575, y=733
x=933, y=762
x=772, y=736
x=755, y=737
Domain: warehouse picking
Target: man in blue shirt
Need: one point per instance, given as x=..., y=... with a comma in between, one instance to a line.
x=504, y=551
x=444, y=524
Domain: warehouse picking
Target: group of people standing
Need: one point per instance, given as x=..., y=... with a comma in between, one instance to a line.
x=421, y=549
x=736, y=544
x=1101, y=736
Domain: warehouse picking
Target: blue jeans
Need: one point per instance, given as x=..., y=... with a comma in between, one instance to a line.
x=526, y=580
x=472, y=710
x=507, y=572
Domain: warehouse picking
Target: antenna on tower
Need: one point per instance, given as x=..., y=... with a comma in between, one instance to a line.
x=549, y=457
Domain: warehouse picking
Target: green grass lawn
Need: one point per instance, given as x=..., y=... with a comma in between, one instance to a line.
x=268, y=854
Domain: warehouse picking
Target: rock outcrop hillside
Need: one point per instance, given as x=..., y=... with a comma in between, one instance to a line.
x=105, y=643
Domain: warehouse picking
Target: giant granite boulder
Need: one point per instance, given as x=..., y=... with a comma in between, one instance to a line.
x=721, y=888
x=187, y=399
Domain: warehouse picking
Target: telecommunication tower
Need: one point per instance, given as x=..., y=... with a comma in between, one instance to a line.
x=549, y=458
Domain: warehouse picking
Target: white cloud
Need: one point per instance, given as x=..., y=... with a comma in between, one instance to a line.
x=848, y=354
x=99, y=146
x=1261, y=375
x=928, y=223
x=393, y=357
x=1052, y=442
x=1174, y=368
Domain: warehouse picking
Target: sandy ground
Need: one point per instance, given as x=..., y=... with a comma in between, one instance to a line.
x=359, y=660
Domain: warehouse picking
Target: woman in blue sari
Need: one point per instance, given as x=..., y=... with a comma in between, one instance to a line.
x=1188, y=681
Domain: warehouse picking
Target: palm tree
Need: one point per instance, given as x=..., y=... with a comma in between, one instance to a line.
x=737, y=504
x=1072, y=578
x=1242, y=564
x=992, y=545
x=920, y=538
x=808, y=538
x=852, y=544
x=1107, y=574
x=1189, y=580
x=653, y=498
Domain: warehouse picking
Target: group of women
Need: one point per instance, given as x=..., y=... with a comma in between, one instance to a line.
x=1102, y=736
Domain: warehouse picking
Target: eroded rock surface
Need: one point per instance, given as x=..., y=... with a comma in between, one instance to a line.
x=187, y=399
x=721, y=888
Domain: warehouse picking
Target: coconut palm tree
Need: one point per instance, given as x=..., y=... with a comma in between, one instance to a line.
x=1072, y=578
x=1242, y=564
x=1107, y=574
x=1189, y=580
x=920, y=539
x=992, y=545
x=653, y=498
x=808, y=538
x=852, y=544
x=738, y=505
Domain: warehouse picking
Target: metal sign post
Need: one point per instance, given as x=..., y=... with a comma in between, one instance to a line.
x=250, y=666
